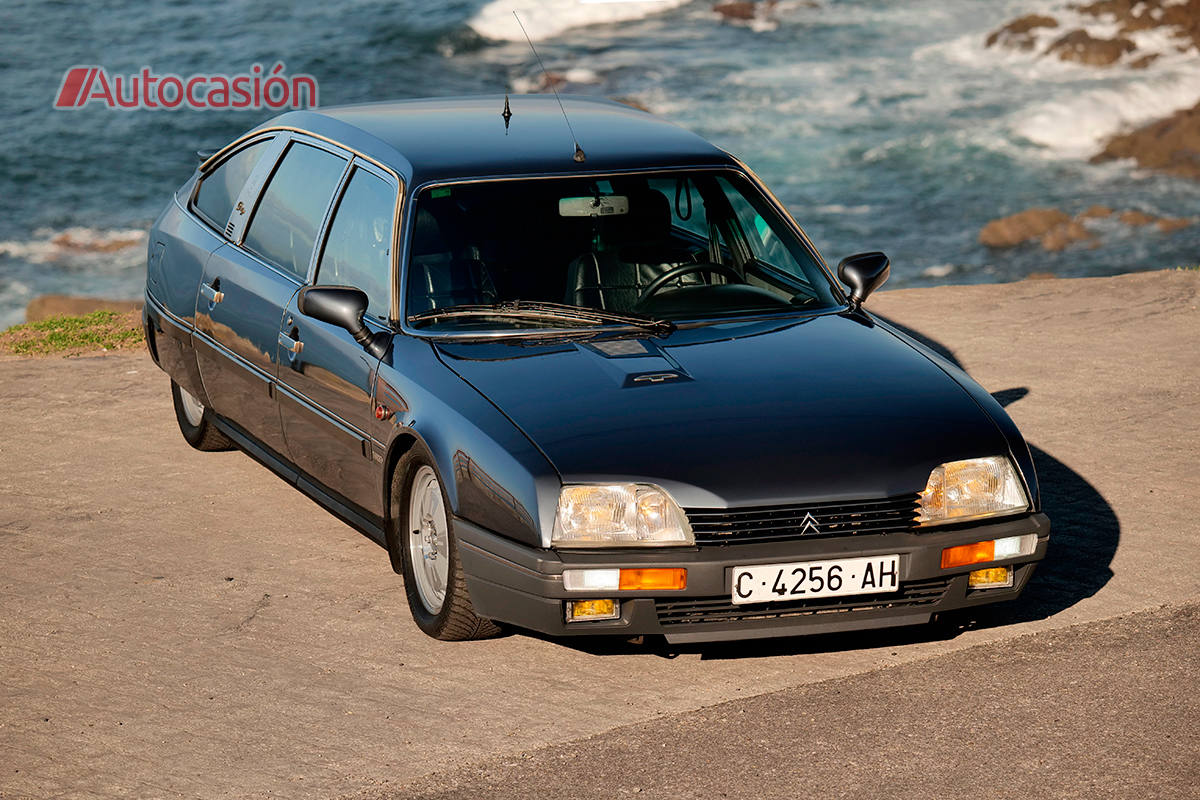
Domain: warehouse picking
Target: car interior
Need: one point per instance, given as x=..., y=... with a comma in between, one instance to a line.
x=664, y=245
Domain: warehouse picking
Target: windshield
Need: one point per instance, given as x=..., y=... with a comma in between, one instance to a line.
x=644, y=249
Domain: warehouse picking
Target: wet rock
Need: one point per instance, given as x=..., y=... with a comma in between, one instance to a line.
x=1062, y=236
x=1170, y=225
x=83, y=240
x=1143, y=61
x=743, y=10
x=1139, y=15
x=1055, y=230
x=1136, y=218
x=1018, y=34
x=1083, y=48
x=1032, y=223
x=632, y=103
x=740, y=10
x=551, y=81
x=56, y=305
x=1171, y=145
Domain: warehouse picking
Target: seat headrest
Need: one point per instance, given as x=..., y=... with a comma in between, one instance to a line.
x=427, y=235
x=648, y=220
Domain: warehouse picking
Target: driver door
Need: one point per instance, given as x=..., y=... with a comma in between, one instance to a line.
x=325, y=377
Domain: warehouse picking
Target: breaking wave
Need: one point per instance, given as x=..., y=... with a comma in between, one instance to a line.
x=546, y=18
x=79, y=245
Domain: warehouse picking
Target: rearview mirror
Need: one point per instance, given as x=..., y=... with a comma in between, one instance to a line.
x=606, y=205
x=863, y=273
x=343, y=306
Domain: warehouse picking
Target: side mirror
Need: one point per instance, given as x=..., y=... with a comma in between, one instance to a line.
x=343, y=306
x=863, y=273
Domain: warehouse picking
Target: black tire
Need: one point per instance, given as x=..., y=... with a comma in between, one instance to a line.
x=204, y=436
x=456, y=620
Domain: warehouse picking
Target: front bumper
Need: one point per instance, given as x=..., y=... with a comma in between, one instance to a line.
x=522, y=585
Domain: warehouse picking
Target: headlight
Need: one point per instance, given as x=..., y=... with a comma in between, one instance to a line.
x=619, y=515
x=958, y=491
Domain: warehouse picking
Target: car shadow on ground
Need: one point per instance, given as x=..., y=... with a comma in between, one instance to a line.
x=1084, y=535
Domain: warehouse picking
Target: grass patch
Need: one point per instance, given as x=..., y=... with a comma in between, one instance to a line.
x=1194, y=268
x=99, y=330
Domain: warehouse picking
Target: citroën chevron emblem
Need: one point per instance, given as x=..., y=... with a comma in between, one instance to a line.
x=808, y=525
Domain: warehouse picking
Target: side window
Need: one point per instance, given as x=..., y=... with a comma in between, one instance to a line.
x=220, y=188
x=285, y=224
x=762, y=240
x=358, y=248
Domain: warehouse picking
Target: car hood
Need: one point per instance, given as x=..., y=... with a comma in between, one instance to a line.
x=830, y=407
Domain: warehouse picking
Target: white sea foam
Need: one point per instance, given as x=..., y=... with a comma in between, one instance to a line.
x=79, y=247
x=938, y=270
x=538, y=82
x=546, y=18
x=1075, y=125
x=838, y=208
x=1067, y=109
x=14, y=296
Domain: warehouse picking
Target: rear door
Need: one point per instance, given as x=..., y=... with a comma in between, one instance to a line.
x=326, y=383
x=247, y=286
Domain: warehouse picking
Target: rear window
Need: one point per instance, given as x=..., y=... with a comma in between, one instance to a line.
x=220, y=188
x=286, y=221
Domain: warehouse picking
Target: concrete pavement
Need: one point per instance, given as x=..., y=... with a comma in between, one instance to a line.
x=179, y=624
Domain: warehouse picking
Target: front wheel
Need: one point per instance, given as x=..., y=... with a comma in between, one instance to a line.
x=195, y=421
x=421, y=538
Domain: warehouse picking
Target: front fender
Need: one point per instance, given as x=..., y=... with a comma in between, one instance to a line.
x=1017, y=446
x=494, y=476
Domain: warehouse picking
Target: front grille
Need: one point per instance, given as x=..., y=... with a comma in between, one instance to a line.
x=772, y=523
x=720, y=609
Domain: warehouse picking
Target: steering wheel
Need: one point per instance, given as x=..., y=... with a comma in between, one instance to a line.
x=687, y=269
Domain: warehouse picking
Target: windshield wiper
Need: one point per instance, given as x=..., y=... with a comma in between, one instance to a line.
x=538, y=310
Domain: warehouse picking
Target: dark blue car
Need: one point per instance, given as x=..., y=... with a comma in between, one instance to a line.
x=584, y=379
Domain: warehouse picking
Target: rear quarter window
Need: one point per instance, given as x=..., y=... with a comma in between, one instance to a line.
x=220, y=188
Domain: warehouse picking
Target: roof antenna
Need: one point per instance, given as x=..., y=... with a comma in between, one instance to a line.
x=507, y=114
x=579, y=154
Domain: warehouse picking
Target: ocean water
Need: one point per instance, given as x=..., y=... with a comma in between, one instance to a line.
x=881, y=125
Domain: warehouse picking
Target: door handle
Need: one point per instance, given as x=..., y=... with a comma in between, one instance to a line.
x=290, y=344
x=211, y=292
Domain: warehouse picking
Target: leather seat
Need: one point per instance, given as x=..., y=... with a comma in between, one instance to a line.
x=441, y=275
x=635, y=249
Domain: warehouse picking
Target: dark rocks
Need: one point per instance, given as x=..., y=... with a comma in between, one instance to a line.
x=1056, y=230
x=1018, y=33
x=1062, y=236
x=736, y=10
x=1170, y=145
x=632, y=102
x=1081, y=47
x=1032, y=223
x=747, y=10
x=1172, y=224
x=1136, y=219
x=1140, y=15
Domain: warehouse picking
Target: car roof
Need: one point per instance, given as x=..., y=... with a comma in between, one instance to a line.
x=465, y=137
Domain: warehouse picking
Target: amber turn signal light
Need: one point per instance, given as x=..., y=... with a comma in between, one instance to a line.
x=964, y=554
x=653, y=579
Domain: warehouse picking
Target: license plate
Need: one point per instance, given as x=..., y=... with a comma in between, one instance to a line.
x=766, y=583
